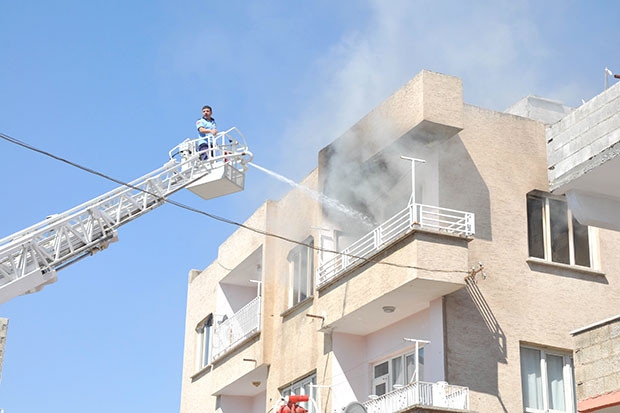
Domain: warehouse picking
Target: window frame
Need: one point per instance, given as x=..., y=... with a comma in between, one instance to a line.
x=388, y=377
x=203, y=342
x=545, y=231
x=568, y=380
x=301, y=286
x=307, y=383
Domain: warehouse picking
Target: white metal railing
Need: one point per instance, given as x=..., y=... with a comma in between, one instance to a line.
x=414, y=216
x=235, y=329
x=440, y=394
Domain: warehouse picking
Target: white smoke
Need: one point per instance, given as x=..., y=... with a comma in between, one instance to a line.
x=485, y=44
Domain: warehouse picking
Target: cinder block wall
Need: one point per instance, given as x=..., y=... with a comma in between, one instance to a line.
x=597, y=359
x=584, y=138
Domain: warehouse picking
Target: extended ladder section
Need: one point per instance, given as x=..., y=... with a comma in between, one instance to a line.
x=29, y=259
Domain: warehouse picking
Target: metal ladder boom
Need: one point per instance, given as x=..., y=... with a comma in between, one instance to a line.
x=30, y=258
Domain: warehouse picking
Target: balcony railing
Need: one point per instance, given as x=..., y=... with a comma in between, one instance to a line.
x=237, y=328
x=414, y=216
x=439, y=394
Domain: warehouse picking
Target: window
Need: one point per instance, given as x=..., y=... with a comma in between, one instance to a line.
x=547, y=381
x=554, y=234
x=301, y=270
x=203, y=341
x=398, y=371
x=302, y=387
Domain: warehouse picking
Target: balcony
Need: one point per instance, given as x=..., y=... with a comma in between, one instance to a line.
x=418, y=395
x=413, y=217
x=234, y=331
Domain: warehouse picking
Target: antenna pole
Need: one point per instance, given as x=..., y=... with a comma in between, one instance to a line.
x=413, y=161
x=607, y=73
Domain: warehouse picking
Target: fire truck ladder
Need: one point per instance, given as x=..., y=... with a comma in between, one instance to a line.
x=29, y=259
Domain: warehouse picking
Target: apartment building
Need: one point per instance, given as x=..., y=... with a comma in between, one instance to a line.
x=434, y=272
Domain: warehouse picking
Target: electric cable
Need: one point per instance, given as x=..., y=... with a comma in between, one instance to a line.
x=213, y=216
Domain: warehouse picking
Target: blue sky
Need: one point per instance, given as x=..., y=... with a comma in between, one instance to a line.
x=113, y=85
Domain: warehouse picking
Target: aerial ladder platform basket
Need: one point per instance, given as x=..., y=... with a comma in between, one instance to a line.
x=229, y=176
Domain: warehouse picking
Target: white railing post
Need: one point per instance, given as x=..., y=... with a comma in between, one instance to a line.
x=377, y=238
x=259, y=285
x=413, y=214
x=472, y=224
x=318, y=276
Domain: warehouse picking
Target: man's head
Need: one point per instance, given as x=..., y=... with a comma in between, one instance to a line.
x=206, y=111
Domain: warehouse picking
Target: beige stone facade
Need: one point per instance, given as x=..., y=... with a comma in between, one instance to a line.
x=4, y=325
x=336, y=303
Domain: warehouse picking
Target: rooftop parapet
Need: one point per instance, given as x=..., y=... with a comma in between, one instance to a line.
x=584, y=139
x=429, y=107
x=583, y=160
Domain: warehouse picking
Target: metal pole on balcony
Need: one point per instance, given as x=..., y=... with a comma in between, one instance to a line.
x=417, y=361
x=414, y=216
x=416, y=373
x=258, y=286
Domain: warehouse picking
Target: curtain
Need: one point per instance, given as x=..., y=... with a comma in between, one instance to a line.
x=531, y=380
x=555, y=365
x=397, y=371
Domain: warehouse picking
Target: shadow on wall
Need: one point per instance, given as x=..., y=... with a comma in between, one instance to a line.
x=544, y=267
x=476, y=343
x=462, y=187
x=497, y=334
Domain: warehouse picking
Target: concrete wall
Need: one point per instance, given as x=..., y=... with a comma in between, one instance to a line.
x=293, y=347
x=538, y=108
x=349, y=370
x=198, y=386
x=235, y=404
x=491, y=166
x=584, y=139
x=597, y=364
x=584, y=160
x=496, y=160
